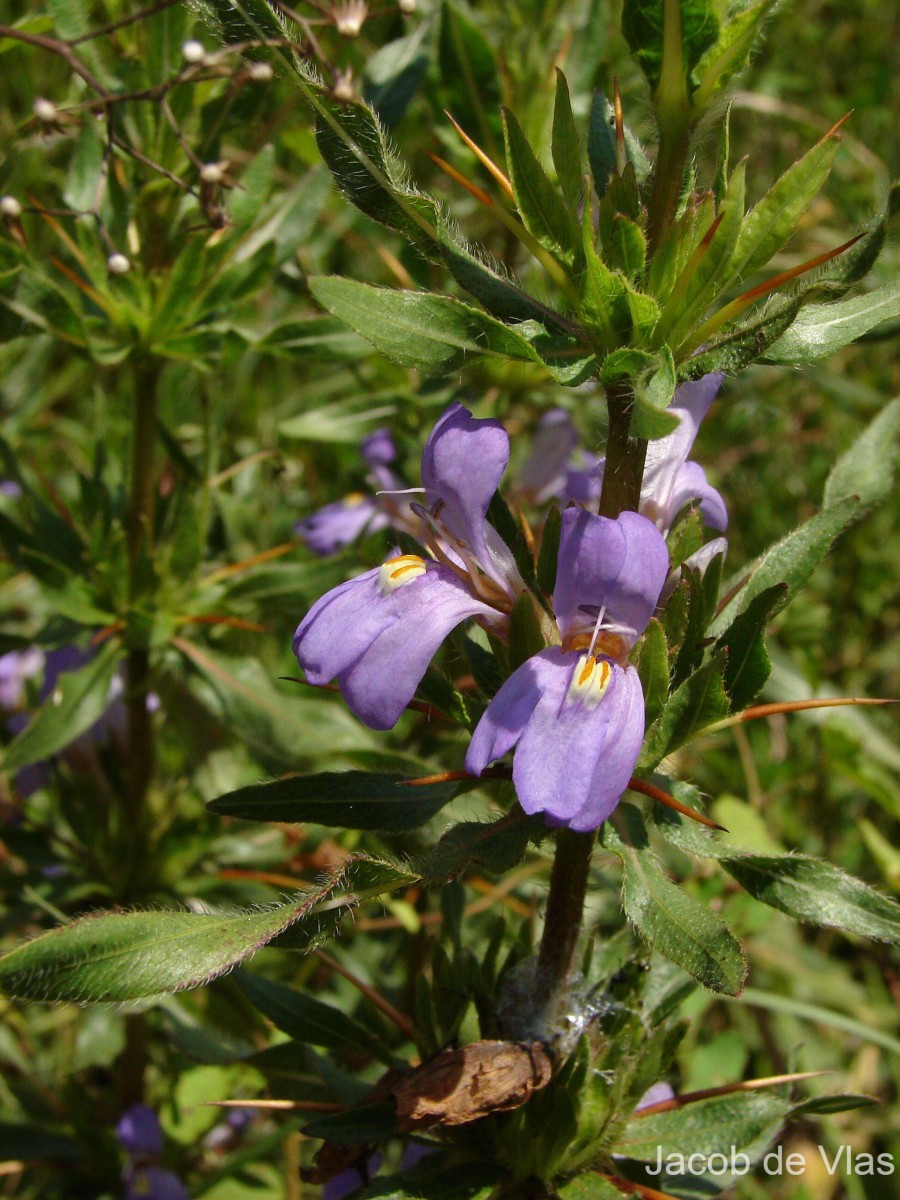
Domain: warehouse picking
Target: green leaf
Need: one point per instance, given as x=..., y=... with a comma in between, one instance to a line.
x=748, y=666
x=358, y=1126
x=342, y=799
x=730, y=52
x=643, y=27
x=469, y=81
x=866, y=470
x=127, y=956
x=417, y=329
x=667, y=918
x=807, y=889
x=601, y=142
x=354, y=146
x=769, y=224
x=499, y=294
x=836, y=1102
x=525, y=636
x=743, y=344
x=541, y=206
x=549, y=553
x=308, y=1020
x=821, y=329
x=119, y=957
x=588, y=1187
x=566, y=146
x=653, y=392
x=699, y=701
x=792, y=560
x=496, y=847
x=747, y=1122
x=817, y=892
x=78, y=700
x=653, y=668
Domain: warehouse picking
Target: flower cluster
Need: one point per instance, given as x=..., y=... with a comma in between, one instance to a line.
x=573, y=713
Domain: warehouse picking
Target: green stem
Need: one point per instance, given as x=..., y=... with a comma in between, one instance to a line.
x=569, y=878
x=139, y=735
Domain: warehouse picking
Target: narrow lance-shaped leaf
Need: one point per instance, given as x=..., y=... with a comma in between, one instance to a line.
x=866, y=470
x=699, y=701
x=119, y=957
x=342, y=799
x=665, y=916
x=566, y=146
x=541, y=207
x=792, y=560
x=771, y=222
x=417, y=329
x=821, y=329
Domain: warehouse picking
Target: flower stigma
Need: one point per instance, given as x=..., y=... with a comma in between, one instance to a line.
x=397, y=571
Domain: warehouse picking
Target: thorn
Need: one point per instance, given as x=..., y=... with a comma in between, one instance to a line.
x=621, y=151
x=661, y=797
x=836, y=126
x=486, y=162
x=470, y=187
x=288, y=1105
x=728, y=1089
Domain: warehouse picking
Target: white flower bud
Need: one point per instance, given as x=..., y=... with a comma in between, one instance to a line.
x=118, y=264
x=212, y=172
x=10, y=207
x=350, y=18
x=45, y=110
x=407, y=6
x=343, y=90
x=193, y=52
x=260, y=72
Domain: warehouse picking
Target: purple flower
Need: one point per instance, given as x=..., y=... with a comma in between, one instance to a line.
x=9, y=487
x=339, y=524
x=15, y=668
x=139, y=1132
x=670, y=481
x=575, y=712
x=658, y=1093
x=379, y=449
x=377, y=633
x=154, y=1183
x=558, y=466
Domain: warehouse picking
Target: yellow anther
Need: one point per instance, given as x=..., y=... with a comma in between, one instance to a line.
x=397, y=571
x=590, y=679
x=355, y=499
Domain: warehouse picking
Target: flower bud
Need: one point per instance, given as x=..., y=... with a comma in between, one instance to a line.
x=118, y=264
x=407, y=6
x=10, y=207
x=45, y=110
x=193, y=52
x=350, y=18
x=260, y=72
x=212, y=172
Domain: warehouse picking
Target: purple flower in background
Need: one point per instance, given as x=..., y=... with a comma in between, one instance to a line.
x=139, y=1132
x=15, y=668
x=140, y=1136
x=377, y=633
x=575, y=712
x=658, y=1093
x=9, y=487
x=154, y=1183
x=558, y=466
x=339, y=524
x=670, y=481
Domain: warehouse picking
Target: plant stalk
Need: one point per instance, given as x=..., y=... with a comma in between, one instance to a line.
x=569, y=878
x=140, y=751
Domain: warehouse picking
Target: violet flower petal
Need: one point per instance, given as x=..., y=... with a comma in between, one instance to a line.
x=341, y=523
x=690, y=484
x=378, y=646
x=462, y=464
x=620, y=565
x=379, y=448
x=573, y=760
